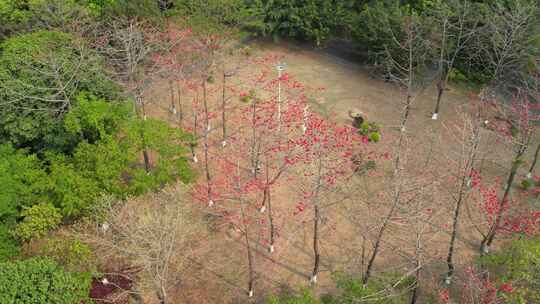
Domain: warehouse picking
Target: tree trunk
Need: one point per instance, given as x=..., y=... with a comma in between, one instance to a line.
x=195, y=125
x=440, y=91
x=315, y=244
x=206, y=131
x=397, y=190
x=416, y=289
x=267, y=201
x=377, y=246
x=270, y=220
x=146, y=157
x=490, y=236
x=162, y=296
x=223, y=118
x=461, y=197
x=254, y=145
x=531, y=169
x=173, y=105
x=250, y=264
x=180, y=105
x=455, y=222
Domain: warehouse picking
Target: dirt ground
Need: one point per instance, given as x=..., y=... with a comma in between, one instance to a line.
x=220, y=276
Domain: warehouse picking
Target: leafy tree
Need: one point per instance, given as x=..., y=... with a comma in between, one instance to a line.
x=312, y=20
x=378, y=26
x=40, y=280
x=111, y=162
x=41, y=74
x=12, y=13
x=218, y=12
x=169, y=146
x=37, y=221
x=93, y=118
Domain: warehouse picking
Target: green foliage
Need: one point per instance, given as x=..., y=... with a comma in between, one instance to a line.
x=41, y=74
x=37, y=221
x=212, y=15
x=169, y=146
x=351, y=290
x=12, y=12
x=374, y=136
x=517, y=264
x=378, y=26
x=92, y=118
x=40, y=280
x=109, y=9
x=23, y=181
x=306, y=297
x=70, y=191
x=502, y=49
x=312, y=20
x=9, y=246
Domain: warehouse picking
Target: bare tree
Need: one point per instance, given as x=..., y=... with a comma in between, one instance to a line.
x=154, y=233
x=128, y=45
x=468, y=136
x=415, y=48
x=504, y=44
x=455, y=28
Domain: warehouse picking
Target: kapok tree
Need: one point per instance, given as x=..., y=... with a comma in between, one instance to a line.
x=406, y=71
x=517, y=129
x=176, y=61
x=468, y=133
x=273, y=128
x=327, y=151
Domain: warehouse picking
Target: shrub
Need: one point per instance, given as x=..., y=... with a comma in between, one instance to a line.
x=40, y=280
x=9, y=246
x=351, y=290
x=306, y=297
x=38, y=221
x=374, y=136
x=517, y=265
x=72, y=254
x=525, y=184
x=370, y=130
